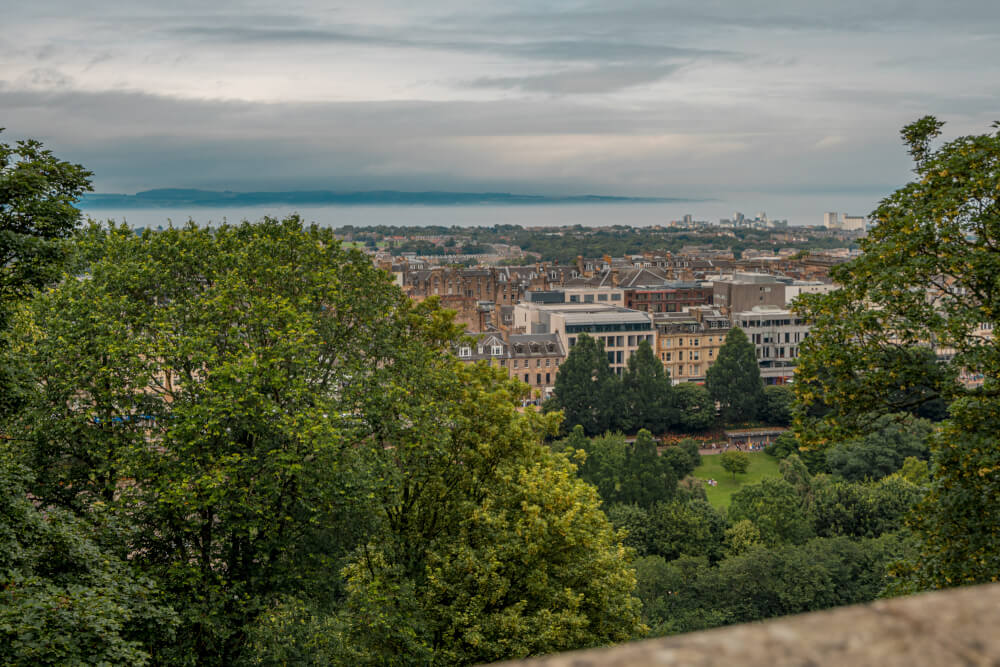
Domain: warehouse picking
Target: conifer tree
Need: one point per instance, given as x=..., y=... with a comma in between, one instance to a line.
x=586, y=390
x=734, y=381
x=646, y=393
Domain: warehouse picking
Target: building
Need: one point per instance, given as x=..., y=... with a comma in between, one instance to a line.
x=777, y=334
x=743, y=291
x=669, y=297
x=688, y=342
x=853, y=223
x=830, y=220
x=620, y=330
x=531, y=358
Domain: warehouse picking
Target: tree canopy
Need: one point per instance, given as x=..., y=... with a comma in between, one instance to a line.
x=734, y=381
x=916, y=311
x=258, y=409
x=586, y=390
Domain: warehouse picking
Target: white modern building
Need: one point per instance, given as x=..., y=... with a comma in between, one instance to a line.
x=777, y=334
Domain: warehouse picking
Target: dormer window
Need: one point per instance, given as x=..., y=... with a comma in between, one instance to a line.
x=496, y=350
x=465, y=351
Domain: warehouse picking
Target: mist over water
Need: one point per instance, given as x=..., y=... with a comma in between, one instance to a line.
x=798, y=210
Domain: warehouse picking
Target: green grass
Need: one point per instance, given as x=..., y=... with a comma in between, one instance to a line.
x=761, y=466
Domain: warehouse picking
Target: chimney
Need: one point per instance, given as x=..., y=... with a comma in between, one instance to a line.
x=614, y=277
x=579, y=264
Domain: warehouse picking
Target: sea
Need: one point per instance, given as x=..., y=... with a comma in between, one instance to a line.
x=797, y=210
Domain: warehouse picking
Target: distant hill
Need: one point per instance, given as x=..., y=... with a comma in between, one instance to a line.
x=173, y=197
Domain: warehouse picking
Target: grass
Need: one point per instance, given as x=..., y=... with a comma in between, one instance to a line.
x=761, y=466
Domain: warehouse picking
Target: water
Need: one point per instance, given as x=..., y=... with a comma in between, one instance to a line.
x=798, y=210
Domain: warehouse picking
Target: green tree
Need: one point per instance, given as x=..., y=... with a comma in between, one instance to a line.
x=646, y=477
x=882, y=451
x=63, y=599
x=778, y=403
x=646, y=393
x=734, y=381
x=695, y=407
x=534, y=568
x=258, y=408
x=774, y=506
x=686, y=529
x=735, y=462
x=925, y=281
x=586, y=390
x=38, y=193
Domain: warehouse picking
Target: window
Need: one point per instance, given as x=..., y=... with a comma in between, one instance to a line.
x=602, y=297
x=526, y=378
x=694, y=355
x=618, y=356
x=572, y=342
x=696, y=342
x=515, y=363
x=548, y=362
x=465, y=352
x=631, y=341
x=496, y=350
x=538, y=378
x=667, y=357
x=538, y=363
x=588, y=298
x=621, y=341
x=548, y=379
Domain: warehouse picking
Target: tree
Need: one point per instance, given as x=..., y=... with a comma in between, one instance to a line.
x=734, y=381
x=646, y=477
x=926, y=282
x=258, y=409
x=735, y=462
x=695, y=408
x=586, y=390
x=882, y=451
x=686, y=529
x=646, y=393
x=775, y=508
x=64, y=600
x=535, y=568
x=778, y=403
x=38, y=193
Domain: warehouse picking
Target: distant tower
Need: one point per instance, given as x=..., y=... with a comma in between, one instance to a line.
x=830, y=221
x=688, y=218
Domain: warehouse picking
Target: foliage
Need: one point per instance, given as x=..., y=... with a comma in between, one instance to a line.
x=534, y=568
x=623, y=472
x=735, y=462
x=863, y=509
x=881, y=451
x=37, y=215
x=956, y=523
x=695, y=407
x=646, y=393
x=688, y=594
x=685, y=529
x=734, y=381
x=258, y=408
x=927, y=280
x=586, y=390
x=784, y=445
x=63, y=599
x=37, y=197
x=778, y=403
x=774, y=506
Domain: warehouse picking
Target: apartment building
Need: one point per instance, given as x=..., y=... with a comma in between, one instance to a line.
x=531, y=358
x=743, y=291
x=668, y=297
x=620, y=330
x=688, y=342
x=777, y=334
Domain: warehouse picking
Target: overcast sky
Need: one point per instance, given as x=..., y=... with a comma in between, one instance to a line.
x=643, y=97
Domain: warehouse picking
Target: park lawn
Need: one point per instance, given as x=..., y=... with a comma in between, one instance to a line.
x=761, y=466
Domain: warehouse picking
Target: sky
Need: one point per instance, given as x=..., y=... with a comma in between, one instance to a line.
x=688, y=98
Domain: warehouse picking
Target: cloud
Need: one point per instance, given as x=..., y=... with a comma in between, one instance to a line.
x=591, y=80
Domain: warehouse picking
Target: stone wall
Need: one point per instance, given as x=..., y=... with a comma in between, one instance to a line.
x=954, y=627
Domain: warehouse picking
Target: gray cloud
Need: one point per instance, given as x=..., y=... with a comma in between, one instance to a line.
x=586, y=81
